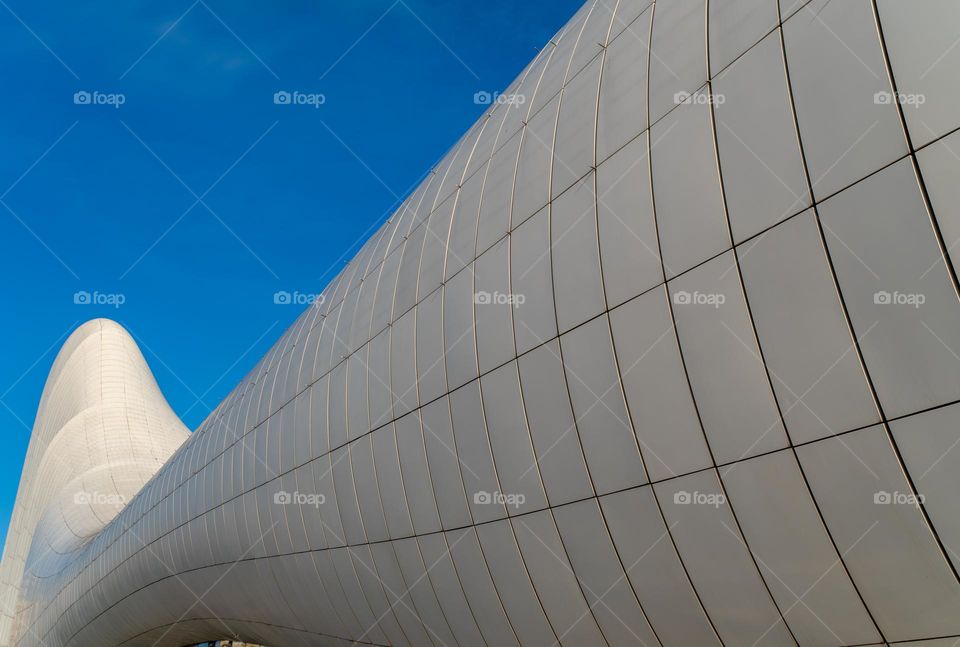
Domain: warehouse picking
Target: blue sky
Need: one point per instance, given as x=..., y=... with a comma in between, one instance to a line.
x=199, y=198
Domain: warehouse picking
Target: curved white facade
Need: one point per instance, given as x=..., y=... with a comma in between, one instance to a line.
x=666, y=351
x=103, y=429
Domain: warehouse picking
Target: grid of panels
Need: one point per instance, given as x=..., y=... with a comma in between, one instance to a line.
x=102, y=431
x=662, y=354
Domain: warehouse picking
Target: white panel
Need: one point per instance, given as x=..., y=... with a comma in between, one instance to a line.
x=658, y=577
x=371, y=587
x=602, y=420
x=813, y=363
x=622, y=112
x=403, y=364
x=940, y=165
x=593, y=38
x=476, y=458
x=386, y=566
x=431, y=369
x=624, y=20
x=730, y=587
x=678, y=60
x=435, y=249
x=337, y=406
x=796, y=557
x=514, y=119
x=425, y=599
x=368, y=493
x=629, y=250
x=445, y=582
x=603, y=578
x=656, y=388
x=497, y=201
x=922, y=45
x=513, y=584
x=532, y=189
x=406, y=294
x=833, y=50
x=575, y=255
x=390, y=482
x=686, y=188
x=358, y=419
x=379, y=393
x=383, y=304
x=555, y=74
x=901, y=301
x=459, y=329
x=346, y=493
x=463, y=231
x=494, y=307
x=886, y=543
x=534, y=320
x=729, y=383
x=576, y=129
x=444, y=464
x=928, y=442
x=479, y=588
x=555, y=439
x=330, y=510
x=416, y=474
x=735, y=25
x=552, y=576
x=763, y=175
x=510, y=440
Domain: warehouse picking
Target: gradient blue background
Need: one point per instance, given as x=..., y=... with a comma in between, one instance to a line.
x=85, y=198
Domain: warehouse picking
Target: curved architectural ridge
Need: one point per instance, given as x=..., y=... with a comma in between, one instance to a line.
x=102, y=430
x=663, y=353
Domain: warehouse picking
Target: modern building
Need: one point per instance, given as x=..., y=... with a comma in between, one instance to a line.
x=666, y=351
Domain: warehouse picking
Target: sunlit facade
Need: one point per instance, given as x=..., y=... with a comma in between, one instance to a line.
x=665, y=351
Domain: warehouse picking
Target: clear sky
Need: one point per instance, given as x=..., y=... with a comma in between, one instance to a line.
x=198, y=198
